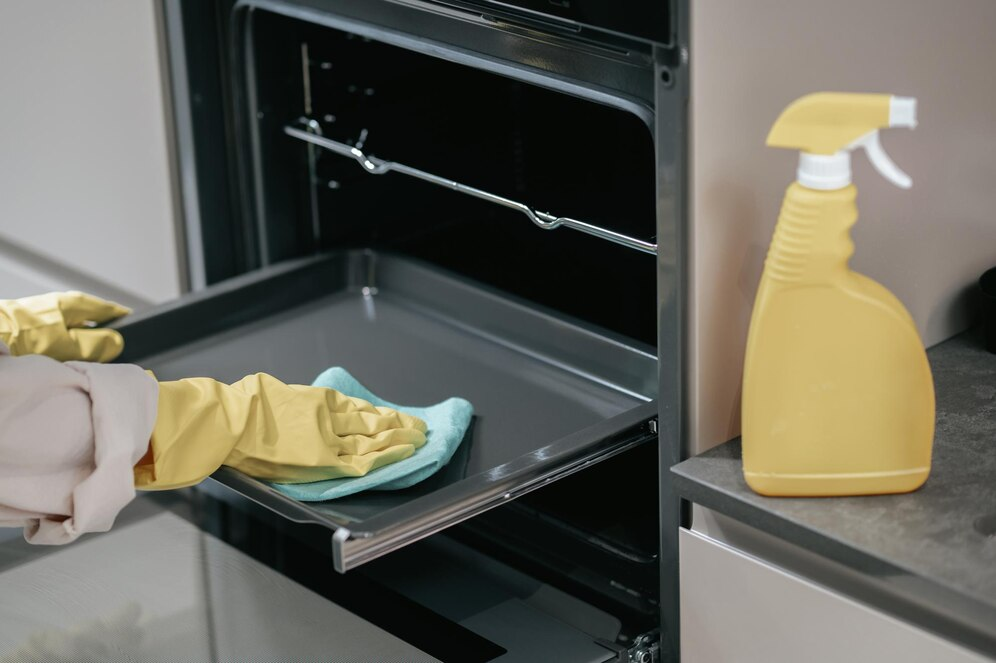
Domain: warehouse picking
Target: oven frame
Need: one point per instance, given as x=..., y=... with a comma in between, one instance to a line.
x=222, y=221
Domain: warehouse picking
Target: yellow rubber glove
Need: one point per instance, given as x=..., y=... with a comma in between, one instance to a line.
x=270, y=430
x=58, y=325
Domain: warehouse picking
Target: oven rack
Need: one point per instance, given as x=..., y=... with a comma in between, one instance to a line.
x=309, y=131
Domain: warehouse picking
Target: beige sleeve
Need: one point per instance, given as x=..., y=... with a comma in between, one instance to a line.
x=70, y=434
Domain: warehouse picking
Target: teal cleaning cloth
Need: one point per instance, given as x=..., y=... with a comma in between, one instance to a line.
x=447, y=422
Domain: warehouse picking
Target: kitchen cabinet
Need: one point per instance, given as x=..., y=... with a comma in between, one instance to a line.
x=742, y=608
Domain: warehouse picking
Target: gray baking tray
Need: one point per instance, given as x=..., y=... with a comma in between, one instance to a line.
x=551, y=396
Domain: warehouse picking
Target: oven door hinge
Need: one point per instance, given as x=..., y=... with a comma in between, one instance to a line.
x=646, y=648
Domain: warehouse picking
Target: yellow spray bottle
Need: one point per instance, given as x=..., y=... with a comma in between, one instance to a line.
x=837, y=396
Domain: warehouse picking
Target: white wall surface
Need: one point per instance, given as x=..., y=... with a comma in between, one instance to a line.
x=928, y=245
x=84, y=164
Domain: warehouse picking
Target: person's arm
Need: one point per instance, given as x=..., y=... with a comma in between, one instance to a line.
x=77, y=437
x=70, y=434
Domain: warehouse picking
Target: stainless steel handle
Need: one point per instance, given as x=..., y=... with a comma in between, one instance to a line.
x=544, y=220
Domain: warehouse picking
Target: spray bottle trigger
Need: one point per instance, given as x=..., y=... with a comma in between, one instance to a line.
x=883, y=164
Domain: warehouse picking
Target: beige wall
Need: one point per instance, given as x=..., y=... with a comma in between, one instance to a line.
x=84, y=166
x=928, y=245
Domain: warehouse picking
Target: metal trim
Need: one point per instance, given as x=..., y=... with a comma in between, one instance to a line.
x=184, y=169
x=428, y=46
x=377, y=539
x=339, y=538
x=671, y=136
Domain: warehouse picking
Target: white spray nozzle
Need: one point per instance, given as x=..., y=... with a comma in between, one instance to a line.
x=902, y=112
x=886, y=167
x=827, y=126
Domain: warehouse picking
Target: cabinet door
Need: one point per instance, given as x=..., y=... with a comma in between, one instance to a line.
x=742, y=609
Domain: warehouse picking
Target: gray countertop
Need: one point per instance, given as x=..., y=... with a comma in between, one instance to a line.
x=932, y=551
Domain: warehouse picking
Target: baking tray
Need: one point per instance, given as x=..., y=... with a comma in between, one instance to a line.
x=551, y=396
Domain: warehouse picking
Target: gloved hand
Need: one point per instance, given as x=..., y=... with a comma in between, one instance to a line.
x=56, y=325
x=270, y=430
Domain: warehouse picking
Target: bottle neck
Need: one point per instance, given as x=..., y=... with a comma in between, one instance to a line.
x=824, y=172
x=812, y=242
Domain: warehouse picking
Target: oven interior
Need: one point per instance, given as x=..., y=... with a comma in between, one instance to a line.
x=553, y=151
x=572, y=152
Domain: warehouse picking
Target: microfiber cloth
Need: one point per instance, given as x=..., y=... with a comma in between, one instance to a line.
x=447, y=422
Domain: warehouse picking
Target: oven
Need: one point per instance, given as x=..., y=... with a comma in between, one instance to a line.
x=478, y=199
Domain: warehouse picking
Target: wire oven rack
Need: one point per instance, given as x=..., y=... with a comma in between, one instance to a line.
x=309, y=131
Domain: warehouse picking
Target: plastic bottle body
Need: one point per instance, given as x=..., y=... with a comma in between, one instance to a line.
x=838, y=398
